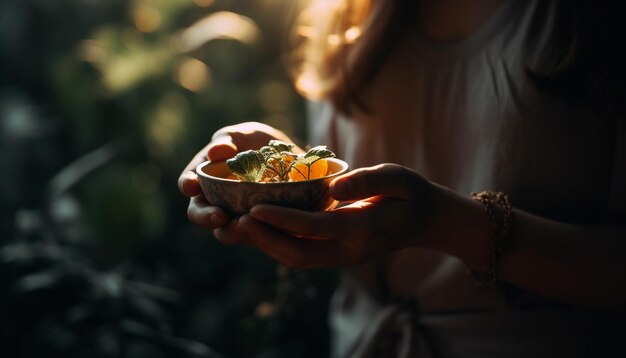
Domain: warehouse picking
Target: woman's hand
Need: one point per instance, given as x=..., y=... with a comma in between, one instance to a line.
x=225, y=143
x=390, y=208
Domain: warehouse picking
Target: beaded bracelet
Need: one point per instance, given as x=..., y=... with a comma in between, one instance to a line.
x=501, y=238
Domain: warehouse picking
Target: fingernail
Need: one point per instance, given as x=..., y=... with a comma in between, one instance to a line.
x=243, y=222
x=256, y=212
x=235, y=224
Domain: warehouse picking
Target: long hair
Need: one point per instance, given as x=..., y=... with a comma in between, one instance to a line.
x=343, y=44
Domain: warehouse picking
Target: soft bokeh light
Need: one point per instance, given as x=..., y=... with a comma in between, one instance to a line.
x=124, y=57
x=166, y=125
x=193, y=75
x=147, y=17
x=352, y=34
x=307, y=83
x=306, y=31
x=265, y=309
x=334, y=40
x=323, y=7
x=125, y=71
x=218, y=25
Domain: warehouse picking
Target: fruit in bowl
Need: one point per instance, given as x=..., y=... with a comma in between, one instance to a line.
x=272, y=175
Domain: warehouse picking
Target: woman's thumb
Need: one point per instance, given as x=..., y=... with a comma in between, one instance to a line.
x=221, y=148
x=385, y=179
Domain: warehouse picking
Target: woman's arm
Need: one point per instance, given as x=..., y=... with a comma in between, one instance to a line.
x=577, y=264
x=574, y=264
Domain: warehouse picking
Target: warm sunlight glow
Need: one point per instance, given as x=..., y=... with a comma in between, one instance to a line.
x=352, y=34
x=147, y=18
x=218, y=25
x=194, y=75
x=125, y=71
x=307, y=83
x=306, y=31
x=123, y=57
x=334, y=40
x=323, y=7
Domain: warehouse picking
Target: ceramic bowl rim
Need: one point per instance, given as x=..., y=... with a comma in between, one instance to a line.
x=200, y=172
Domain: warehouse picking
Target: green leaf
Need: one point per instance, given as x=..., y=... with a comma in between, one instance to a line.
x=269, y=163
x=280, y=146
x=247, y=166
x=316, y=153
x=320, y=151
x=267, y=152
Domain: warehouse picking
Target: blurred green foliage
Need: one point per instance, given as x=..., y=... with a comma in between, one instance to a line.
x=102, y=103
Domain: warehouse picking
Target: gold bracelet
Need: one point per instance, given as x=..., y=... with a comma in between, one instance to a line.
x=500, y=235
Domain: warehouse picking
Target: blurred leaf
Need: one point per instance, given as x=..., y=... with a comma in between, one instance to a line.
x=81, y=167
x=153, y=291
x=108, y=285
x=38, y=281
x=22, y=251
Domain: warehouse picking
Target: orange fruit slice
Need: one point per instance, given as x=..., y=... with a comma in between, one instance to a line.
x=318, y=169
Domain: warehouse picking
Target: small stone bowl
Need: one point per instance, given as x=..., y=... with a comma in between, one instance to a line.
x=238, y=197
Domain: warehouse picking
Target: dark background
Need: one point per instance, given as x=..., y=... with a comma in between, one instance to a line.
x=102, y=103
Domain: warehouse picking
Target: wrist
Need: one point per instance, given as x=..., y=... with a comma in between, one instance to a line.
x=459, y=227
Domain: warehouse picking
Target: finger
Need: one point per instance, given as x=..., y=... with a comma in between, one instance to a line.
x=253, y=135
x=290, y=251
x=299, y=222
x=231, y=233
x=202, y=213
x=188, y=180
x=221, y=148
x=385, y=179
x=188, y=184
